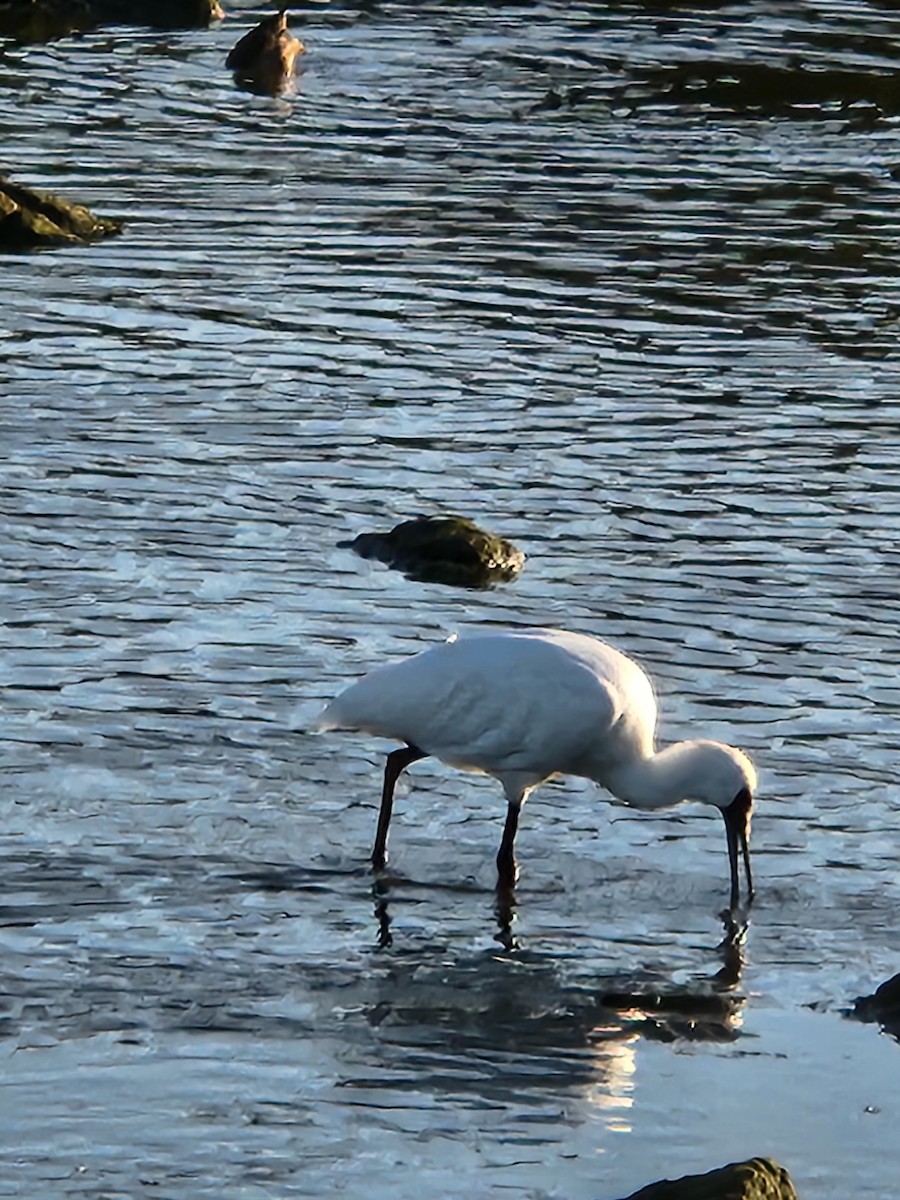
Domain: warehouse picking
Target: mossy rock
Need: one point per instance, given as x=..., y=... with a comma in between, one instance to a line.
x=159, y=14
x=41, y=20
x=755, y=1179
x=882, y=1006
x=451, y=550
x=29, y=219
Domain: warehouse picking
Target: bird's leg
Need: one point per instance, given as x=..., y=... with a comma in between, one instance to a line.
x=506, y=855
x=397, y=762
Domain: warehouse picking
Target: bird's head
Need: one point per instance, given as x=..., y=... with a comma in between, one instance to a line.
x=715, y=773
x=729, y=782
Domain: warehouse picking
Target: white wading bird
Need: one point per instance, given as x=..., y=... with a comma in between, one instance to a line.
x=525, y=705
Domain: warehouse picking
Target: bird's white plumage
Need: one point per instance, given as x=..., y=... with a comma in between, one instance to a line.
x=496, y=703
x=527, y=704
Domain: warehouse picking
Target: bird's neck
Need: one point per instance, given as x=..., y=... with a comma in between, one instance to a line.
x=657, y=781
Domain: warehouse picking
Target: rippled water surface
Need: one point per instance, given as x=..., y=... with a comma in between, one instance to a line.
x=620, y=283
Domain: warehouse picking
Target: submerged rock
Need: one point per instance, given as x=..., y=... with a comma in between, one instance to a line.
x=40, y=20
x=263, y=60
x=882, y=1006
x=797, y=88
x=755, y=1179
x=29, y=219
x=451, y=550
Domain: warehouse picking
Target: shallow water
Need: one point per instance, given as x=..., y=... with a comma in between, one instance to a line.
x=650, y=336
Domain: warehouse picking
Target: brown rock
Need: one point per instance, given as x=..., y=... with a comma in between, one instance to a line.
x=882, y=1006
x=755, y=1179
x=41, y=20
x=450, y=550
x=29, y=219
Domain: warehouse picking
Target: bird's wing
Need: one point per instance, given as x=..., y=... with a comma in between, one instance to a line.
x=489, y=703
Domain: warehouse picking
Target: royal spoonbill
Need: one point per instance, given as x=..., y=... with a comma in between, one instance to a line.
x=525, y=705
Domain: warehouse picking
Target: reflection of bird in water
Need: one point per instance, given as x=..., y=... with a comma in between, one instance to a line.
x=525, y=705
x=709, y=1009
x=461, y=1017
x=573, y=1023
x=266, y=55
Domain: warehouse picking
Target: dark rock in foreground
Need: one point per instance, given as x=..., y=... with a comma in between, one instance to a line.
x=882, y=1006
x=29, y=219
x=40, y=20
x=755, y=1179
x=451, y=550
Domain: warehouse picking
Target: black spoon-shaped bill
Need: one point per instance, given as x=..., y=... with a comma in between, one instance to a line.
x=737, y=830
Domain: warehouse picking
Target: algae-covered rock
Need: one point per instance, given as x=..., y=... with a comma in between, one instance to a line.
x=29, y=219
x=882, y=1006
x=755, y=1179
x=41, y=20
x=451, y=550
x=159, y=14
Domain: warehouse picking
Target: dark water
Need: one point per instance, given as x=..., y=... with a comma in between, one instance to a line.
x=649, y=334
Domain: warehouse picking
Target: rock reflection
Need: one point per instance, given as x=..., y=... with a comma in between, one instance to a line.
x=266, y=81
